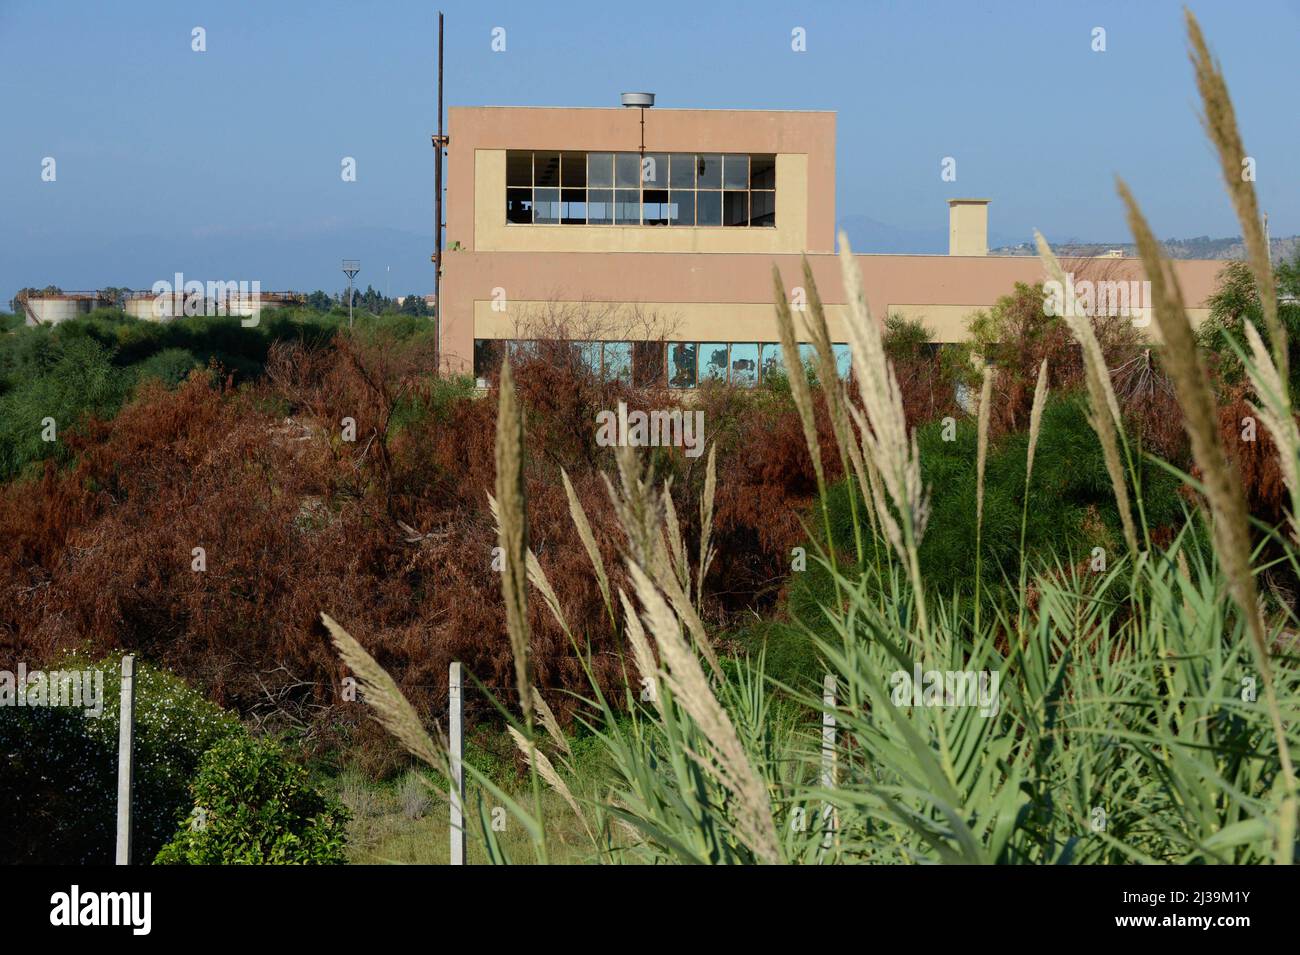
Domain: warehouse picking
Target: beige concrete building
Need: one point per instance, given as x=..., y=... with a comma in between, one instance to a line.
x=614, y=227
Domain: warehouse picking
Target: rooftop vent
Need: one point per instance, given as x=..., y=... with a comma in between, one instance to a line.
x=639, y=99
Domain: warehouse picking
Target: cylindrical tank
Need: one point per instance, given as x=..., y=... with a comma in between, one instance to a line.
x=162, y=307
x=52, y=309
x=149, y=307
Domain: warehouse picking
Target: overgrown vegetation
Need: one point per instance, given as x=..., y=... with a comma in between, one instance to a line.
x=658, y=661
x=1138, y=712
x=254, y=807
x=58, y=766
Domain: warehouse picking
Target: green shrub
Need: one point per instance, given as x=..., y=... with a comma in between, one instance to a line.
x=1071, y=507
x=171, y=366
x=253, y=806
x=58, y=768
x=789, y=652
x=67, y=383
x=433, y=403
x=1236, y=301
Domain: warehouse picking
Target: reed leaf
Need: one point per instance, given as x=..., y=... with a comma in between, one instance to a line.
x=1219, y=479
x=1104, y=415
x=1220, y=121
x=512, y=534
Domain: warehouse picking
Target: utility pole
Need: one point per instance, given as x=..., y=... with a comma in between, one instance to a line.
x=440, y=141
x=350, y=268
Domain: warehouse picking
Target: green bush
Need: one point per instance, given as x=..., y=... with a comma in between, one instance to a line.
x=171, y=366
x=58, y=768
x=67, y=383
x=253, y=806
x=1236, y=301
x=789, y=652
x=1071, y=507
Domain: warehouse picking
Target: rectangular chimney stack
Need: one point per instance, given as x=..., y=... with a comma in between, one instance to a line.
x=968, y=227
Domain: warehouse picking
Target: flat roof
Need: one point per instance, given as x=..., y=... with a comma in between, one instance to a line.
x=661, y=109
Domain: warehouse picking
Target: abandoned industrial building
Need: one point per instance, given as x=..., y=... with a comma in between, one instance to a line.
x=647, y=236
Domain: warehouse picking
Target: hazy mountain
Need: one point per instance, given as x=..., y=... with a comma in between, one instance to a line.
x=1201, y=247
x=300, y=258
x=868, y=236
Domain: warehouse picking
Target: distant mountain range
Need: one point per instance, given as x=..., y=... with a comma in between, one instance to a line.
x=868, y=235
x=1202, y=247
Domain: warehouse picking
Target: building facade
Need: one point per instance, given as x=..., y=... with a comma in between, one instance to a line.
x=618, y=228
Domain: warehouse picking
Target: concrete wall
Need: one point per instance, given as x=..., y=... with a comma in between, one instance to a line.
x=728, y=297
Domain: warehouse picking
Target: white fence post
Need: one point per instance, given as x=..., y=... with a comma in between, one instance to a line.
x=125, y=761
x=456, y=740
x=828, y=755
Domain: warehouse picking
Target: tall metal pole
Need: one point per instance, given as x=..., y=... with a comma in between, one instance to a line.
x=439, y=143
x=350, y=268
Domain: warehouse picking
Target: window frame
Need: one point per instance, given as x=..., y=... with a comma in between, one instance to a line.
x=561, y=195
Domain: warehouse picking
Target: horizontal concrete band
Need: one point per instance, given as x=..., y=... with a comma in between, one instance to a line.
x=696, y=321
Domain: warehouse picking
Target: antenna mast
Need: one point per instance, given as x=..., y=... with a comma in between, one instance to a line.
x=439, y=144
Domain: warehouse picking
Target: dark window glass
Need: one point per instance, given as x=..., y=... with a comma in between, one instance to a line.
x=762, y=208
x=519, y=205
x=546, y=169
x=708, y=208
x=735, y=172
x=575, y=188
x=487, y=357
x=713, y=361
x=573, y=206
x=681, y=364
x=654, y=170
x=647, y=363
x=744, y=364
x=547, y=205
x=708, y=169
x=573, y=170
x=519, y=168
x=627, y=170
x=627, y=207
x=681, y=208
x=654, y=207
x=600, y=206
x=600, y=170
x=587, y=354
x=521, y=351
x=683, y=171
x=735, y=208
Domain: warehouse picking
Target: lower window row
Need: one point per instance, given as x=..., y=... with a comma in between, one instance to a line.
x=679, y=364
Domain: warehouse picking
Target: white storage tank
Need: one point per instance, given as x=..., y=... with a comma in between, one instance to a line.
x=164, y=307
x=149, y=307
x=54, y=307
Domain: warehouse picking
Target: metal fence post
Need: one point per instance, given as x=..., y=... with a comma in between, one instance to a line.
x=456, y=740
x=125, y=760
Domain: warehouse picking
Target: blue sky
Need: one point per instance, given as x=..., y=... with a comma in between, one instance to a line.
x=225, y=164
